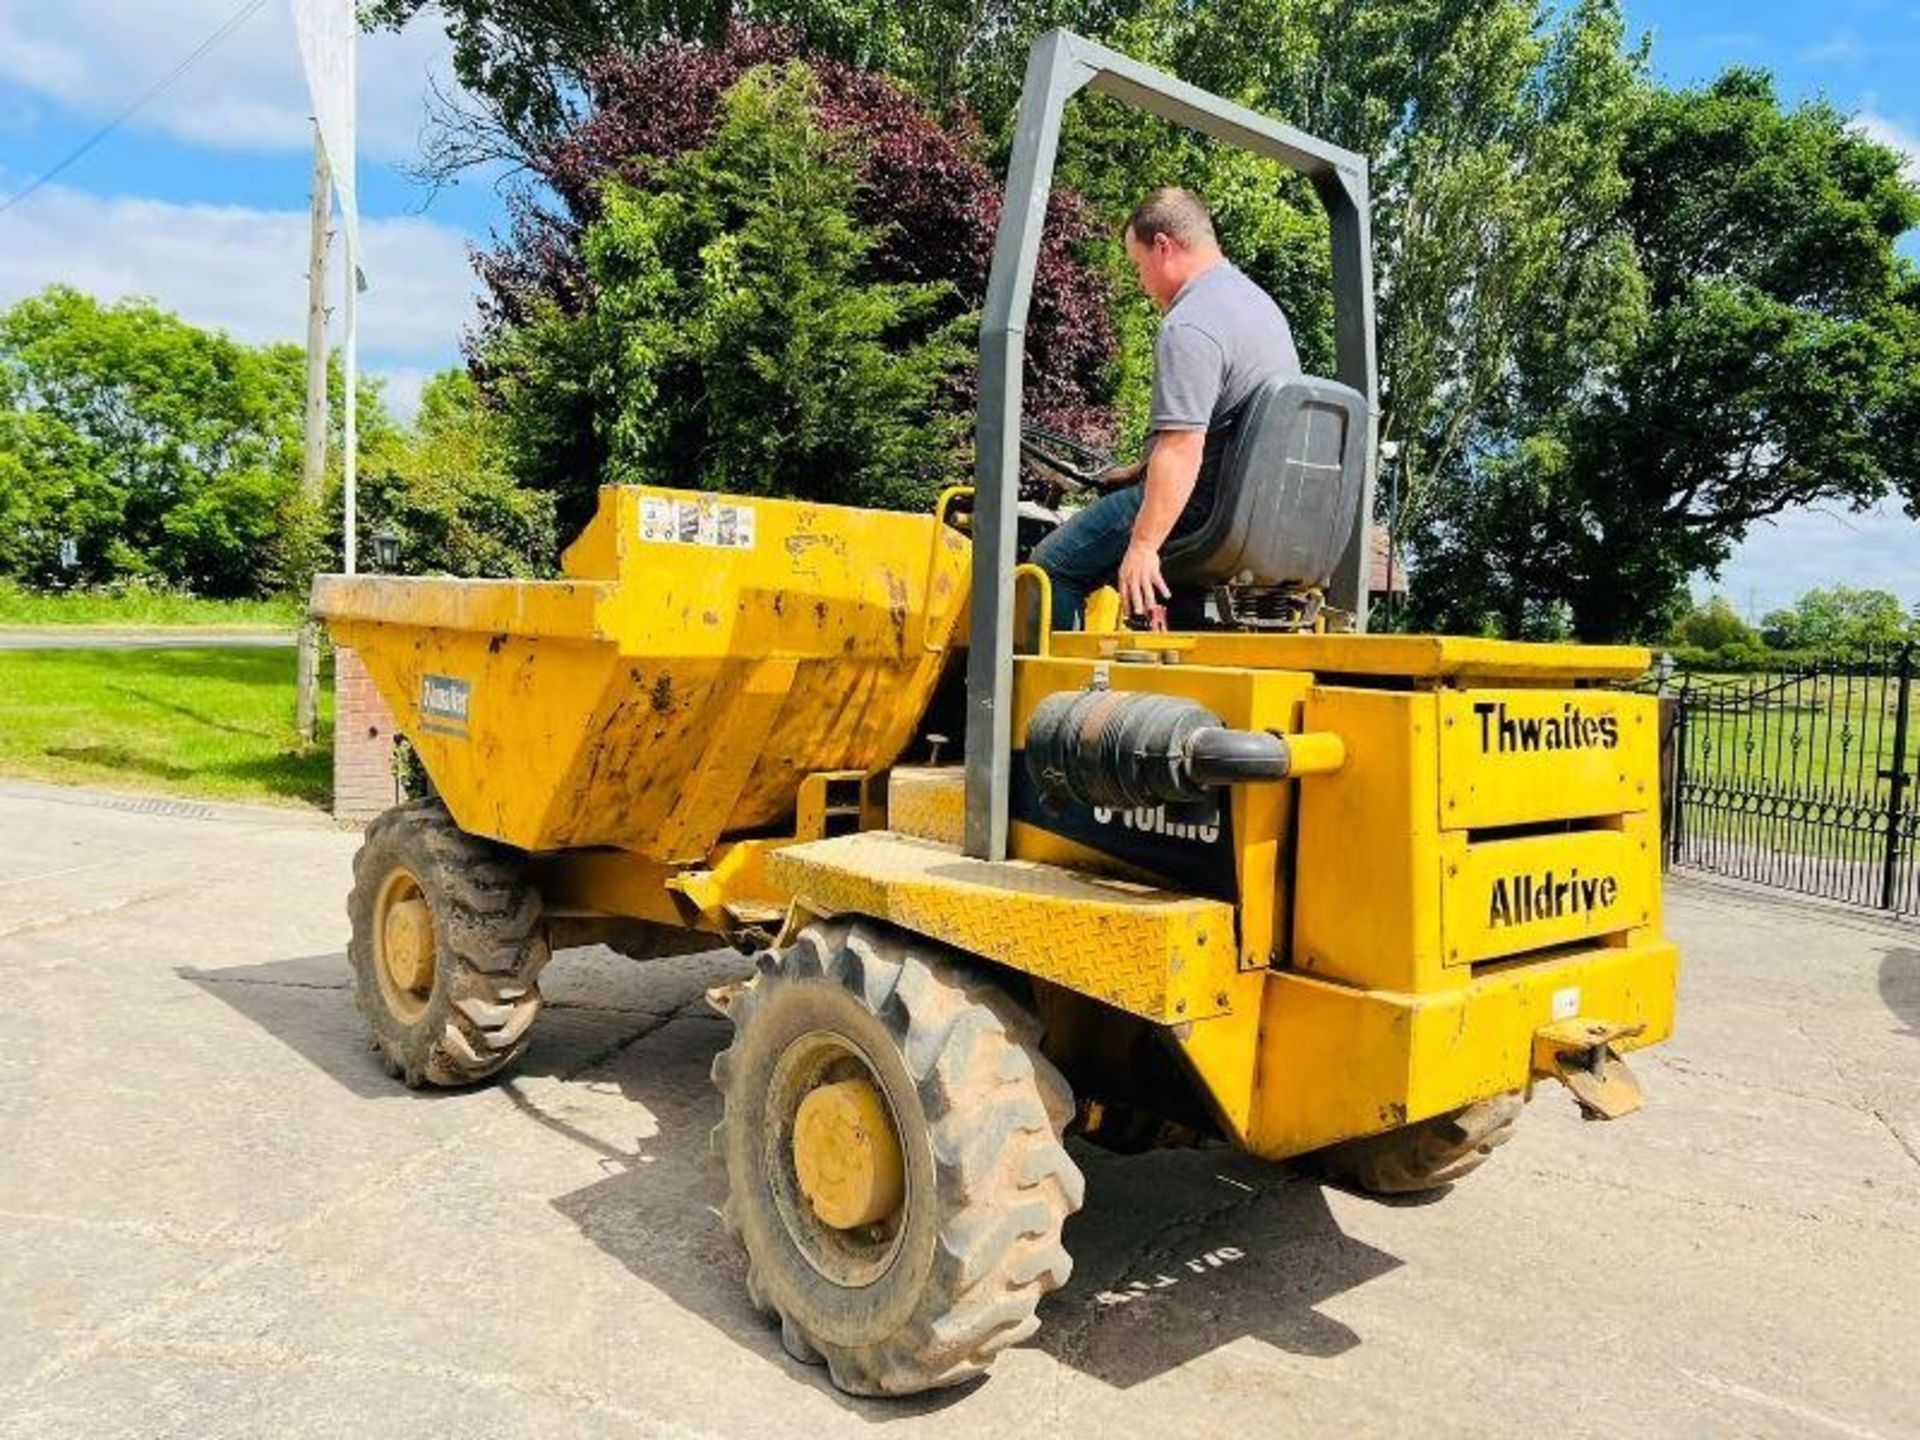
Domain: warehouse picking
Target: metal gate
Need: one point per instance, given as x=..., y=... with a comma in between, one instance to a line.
x=1803, y=780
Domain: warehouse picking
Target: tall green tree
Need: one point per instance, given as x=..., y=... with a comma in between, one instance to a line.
x=157, y=449
x=1774, y=364
x=1774, y=369
x=923, y=205
x=736, y=337
x=525, y=60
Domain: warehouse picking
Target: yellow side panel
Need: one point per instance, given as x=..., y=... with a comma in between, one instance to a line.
x=1225, y=1055
x=1399, y=1058
x=595, y=551
x=1510, y=757
x=1505, y=897
x=1157, y=954
x=1312, y=1032
x=790, y=578
x=497, y=719
x=1367, y=861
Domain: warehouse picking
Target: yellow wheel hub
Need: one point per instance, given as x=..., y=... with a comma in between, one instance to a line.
x=846, y=1154
x=410, y=945
x=405, y=941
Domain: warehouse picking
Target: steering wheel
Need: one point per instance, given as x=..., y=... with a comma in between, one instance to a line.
x=1062, y=461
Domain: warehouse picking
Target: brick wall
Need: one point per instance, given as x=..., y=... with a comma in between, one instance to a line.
x=364, y=782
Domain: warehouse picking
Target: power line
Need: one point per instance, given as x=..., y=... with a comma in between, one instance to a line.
x=231, y=24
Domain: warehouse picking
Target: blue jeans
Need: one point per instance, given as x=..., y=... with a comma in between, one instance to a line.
x=1085, y=553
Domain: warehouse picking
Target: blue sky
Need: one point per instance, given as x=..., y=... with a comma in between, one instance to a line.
x=200, y=200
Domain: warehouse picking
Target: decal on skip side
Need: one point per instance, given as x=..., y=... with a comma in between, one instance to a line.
x=696, y=522
x=443, y=704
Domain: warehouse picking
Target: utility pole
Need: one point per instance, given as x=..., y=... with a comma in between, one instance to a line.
x=313, y=470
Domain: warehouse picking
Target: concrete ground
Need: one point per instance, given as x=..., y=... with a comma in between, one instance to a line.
x=218, y=1217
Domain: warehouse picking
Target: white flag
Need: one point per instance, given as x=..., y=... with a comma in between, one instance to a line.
x=327, y=31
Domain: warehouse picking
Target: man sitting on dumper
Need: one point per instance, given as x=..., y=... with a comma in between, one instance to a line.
x=1221, y=339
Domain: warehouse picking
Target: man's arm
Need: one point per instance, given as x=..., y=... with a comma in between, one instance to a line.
x=1173, y=469
x=1189, y=369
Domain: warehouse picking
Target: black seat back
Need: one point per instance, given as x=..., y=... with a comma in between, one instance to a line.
x=1286, y=494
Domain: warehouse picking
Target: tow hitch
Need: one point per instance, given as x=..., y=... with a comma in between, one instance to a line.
x=1580, y=1055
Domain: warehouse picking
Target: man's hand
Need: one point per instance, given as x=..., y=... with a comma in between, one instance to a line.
x=1173, y=467
x=1141, y=587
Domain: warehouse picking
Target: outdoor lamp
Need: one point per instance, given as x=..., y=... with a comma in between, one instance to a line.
x=386, y=549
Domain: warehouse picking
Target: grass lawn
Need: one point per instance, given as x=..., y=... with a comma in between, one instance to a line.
x=91, y=607
x=216, y=724
x=1824, y=735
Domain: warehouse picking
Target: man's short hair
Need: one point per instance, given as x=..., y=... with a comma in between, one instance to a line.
x=1173, y=212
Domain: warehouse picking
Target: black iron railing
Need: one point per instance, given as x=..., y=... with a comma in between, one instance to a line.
x=1802, y=779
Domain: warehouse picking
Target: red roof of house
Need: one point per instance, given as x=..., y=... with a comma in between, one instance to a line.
x=1377, y=578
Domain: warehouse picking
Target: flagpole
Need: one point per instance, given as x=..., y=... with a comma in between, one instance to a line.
x=350, y=429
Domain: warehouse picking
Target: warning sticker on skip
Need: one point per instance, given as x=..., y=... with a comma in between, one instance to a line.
x=715, y=524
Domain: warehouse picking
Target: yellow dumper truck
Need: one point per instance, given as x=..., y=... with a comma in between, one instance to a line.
x=1268, y=879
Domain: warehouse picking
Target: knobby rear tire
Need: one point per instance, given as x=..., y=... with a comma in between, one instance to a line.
x=1427, y=1154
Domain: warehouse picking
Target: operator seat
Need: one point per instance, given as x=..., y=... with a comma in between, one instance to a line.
x=1287, y=474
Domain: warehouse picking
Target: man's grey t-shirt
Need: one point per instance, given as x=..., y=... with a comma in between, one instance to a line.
x=1222, y=338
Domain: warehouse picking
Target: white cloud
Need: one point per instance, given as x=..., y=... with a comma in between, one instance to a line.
x=241, y=270
x=401, y=387
x=1893, y=134
x=1837, y=49
x=1727, y=41
x=247, y=93
x=1807, y=549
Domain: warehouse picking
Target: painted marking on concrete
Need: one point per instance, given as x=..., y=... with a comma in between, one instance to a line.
x=1775, y=1402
